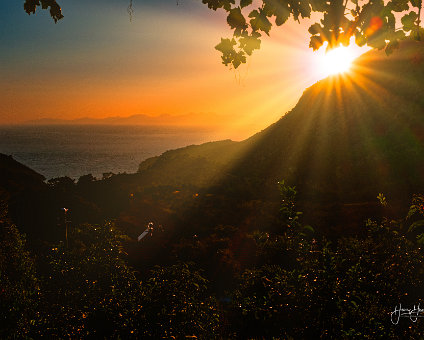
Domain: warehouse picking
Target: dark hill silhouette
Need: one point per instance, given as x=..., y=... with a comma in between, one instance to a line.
x=16, y=177
x=25, y=193
x=348, y=138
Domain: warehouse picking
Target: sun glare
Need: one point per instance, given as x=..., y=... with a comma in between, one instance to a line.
x=338, y=60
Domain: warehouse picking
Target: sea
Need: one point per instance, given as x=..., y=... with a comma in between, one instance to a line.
x=76, y=150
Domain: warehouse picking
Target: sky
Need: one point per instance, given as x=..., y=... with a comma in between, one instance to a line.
x=98, y=63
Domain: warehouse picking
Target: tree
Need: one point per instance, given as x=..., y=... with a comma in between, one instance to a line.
x=18, y=282
x=346, y=289
x=372, y=22
x=177, y=304
x=87, y=288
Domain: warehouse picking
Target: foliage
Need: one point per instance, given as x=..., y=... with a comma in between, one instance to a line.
x=291, y=217
x=88, y=289
x=55, y=11
x=61, y=183
x=18, y=282
x=300, y=285
x=372, y=22
x=382, y=199
x=342, y=290
x=416, y=218
x=177, y=304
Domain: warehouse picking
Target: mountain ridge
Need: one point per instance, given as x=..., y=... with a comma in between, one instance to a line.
x=189, y=119
x=357, y=130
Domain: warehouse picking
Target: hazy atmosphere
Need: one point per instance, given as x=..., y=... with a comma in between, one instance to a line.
x=212, y=169
x=99, y=62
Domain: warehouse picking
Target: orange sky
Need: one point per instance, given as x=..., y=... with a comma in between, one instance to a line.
x=163, y=62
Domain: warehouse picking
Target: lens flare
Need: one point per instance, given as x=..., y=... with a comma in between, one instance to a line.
x=338, y=60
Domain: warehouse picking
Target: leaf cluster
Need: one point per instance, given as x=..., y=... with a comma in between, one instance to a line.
x=30, y=7
x=371, y=22
x=340, y=289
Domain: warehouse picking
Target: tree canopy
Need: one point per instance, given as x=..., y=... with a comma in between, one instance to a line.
x=377, y=23
x=371, y=22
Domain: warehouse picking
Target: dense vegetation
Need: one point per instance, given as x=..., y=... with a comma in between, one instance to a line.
x=377, y=23
x=294, y=285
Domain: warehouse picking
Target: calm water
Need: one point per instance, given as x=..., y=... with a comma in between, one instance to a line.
x=72, y=151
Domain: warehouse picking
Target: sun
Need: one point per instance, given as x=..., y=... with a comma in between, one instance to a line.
x=336, y=61
x=329, y=62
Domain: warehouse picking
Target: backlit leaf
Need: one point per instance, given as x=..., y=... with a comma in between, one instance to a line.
x=260, y=21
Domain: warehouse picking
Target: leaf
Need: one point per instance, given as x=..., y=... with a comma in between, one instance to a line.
x=260, y=21
x=245, y=3
x=250, y=42
x=315, y=29
x=398, y=5
x=55, y=10
x=215, y=4
x=408, y=21
x=236, y=19
x=282, y=17
x=280, y=9
x=238, y=59
x=320, y=6
x=316, y=42
x=226, y=47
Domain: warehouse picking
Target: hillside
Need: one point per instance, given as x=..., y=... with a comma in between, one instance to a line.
x=25, y=193
x=348, y=138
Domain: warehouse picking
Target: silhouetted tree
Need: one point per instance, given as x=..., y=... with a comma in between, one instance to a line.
x=177, y=304
x=18, y=283
x=86, y=180
x=342, y=290
x=87, y=288
x=372, y=22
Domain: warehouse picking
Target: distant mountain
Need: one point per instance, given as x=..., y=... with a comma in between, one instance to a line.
x=190, y=119
x=348, y=138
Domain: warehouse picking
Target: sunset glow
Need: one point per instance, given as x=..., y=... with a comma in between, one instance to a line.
x=324, y=63
x=143, y=67
x=338, y=60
